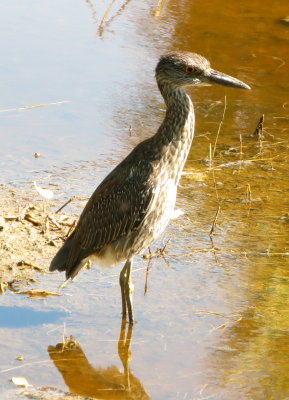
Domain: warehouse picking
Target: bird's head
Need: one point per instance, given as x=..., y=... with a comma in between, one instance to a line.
x=184, y=69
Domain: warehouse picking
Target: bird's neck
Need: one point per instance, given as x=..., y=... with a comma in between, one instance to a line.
x=179, y=120
x=170, y=146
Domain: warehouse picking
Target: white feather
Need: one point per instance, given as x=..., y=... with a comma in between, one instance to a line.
x=46, y=193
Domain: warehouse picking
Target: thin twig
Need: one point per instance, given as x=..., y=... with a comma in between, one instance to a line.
x=102, y=22
x=25, y=365
x=249, y=198
x=147, y=275
x=241, y=147
x=213, y=249
x=210, y=156
x=162, y=249
x=215, y=220
x=259, y=128
x=65, y=204
x=219, y=205
x=249, y=193
x=34, y=106
x=235, y=163
x=221, y=122
x=93, y=11
x=51, y=219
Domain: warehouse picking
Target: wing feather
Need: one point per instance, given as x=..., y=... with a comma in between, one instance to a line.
x=117, y=206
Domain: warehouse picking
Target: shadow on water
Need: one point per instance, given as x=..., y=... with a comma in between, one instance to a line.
x=97, y=382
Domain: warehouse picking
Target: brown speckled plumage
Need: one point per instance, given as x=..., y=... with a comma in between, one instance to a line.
x=134, y=203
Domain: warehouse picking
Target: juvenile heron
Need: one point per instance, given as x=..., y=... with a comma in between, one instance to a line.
x=134, y=203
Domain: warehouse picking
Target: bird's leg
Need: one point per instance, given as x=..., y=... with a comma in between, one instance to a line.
x=122, y=284
x=129, y=291
x=126, y=287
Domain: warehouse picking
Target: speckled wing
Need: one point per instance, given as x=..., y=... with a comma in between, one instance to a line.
x=117, y=206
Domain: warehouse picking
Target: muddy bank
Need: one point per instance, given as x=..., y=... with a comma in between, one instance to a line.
x=31, y=230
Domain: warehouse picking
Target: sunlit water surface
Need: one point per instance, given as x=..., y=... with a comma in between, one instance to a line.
x=215, y=320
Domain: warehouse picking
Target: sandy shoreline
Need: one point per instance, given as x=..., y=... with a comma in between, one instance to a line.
x=30, y=232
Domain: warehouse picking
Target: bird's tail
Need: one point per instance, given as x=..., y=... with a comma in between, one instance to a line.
x=68, y=259
x=59, y=262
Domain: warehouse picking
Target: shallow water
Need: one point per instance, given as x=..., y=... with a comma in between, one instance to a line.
x=214, y=322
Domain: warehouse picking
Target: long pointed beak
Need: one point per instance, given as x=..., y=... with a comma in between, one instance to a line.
x=222, y=79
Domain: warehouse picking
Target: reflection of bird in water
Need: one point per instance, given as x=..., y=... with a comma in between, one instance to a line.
x=101, y=383
x=134, y=203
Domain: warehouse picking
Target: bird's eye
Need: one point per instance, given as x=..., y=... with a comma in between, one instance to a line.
x=189, y=69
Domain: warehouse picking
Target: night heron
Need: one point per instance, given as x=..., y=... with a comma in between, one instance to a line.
x=134, y=203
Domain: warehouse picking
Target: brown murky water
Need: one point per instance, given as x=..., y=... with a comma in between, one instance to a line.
x=214, y=323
